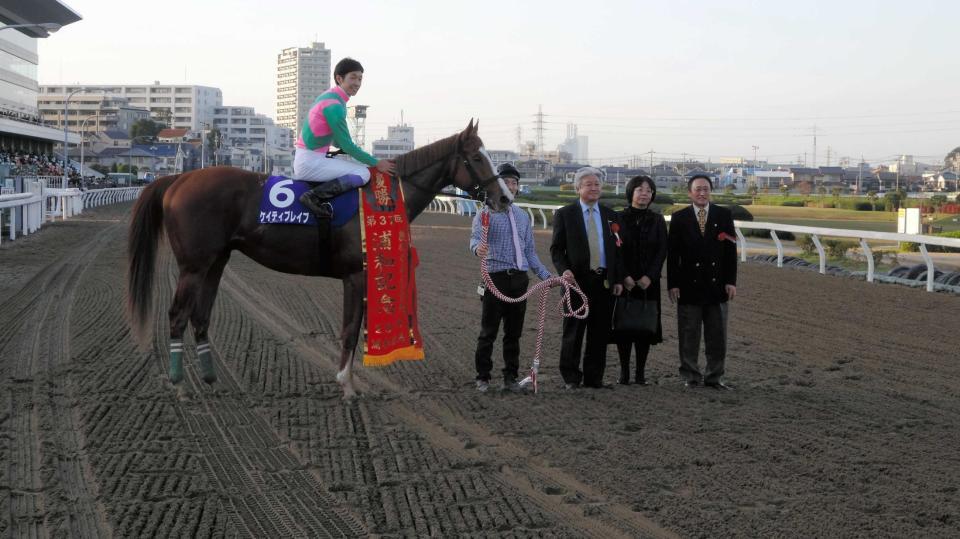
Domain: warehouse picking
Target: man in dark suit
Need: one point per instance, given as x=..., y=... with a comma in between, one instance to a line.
x=701, y=279
x=584, y=249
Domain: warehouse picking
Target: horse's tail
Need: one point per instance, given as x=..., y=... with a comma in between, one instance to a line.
x=146, y=227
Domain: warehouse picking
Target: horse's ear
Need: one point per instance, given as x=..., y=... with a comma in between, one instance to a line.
x=476, y=126
x=465, y=134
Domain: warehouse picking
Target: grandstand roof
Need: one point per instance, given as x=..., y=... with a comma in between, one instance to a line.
x=37, y=12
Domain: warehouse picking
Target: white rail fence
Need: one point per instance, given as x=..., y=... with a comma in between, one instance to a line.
x=460, y=206
x=39, y=203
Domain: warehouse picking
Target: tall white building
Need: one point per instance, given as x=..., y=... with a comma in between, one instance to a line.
x=575, y=145
x=303, y=73
x=176, y=105
x=399, y=141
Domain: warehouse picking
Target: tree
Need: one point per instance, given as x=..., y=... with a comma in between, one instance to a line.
x=784, y=189
x=164, y=117
x=145, y=128
x=729, y=189
x=214, y=141
x=821, y=192
x=872, y=197
x=836, y=192
x=952, y=160
x=894, y=198
x=752, y=191
x=938, y=201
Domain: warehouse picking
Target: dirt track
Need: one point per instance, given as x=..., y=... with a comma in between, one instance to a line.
x=845, y=421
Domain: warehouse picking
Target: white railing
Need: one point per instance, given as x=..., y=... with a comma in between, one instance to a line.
x=454, y=205
x=111, y=195
x=40, y=202
x=31, y=204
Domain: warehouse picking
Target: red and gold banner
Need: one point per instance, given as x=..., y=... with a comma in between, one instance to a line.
x=392, y=332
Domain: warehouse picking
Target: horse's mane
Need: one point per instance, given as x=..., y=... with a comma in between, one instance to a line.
x=421, y=158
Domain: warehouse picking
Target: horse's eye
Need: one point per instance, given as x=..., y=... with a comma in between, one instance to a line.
x=476, y=158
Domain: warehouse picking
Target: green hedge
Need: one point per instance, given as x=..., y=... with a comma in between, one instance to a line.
x=915, y=247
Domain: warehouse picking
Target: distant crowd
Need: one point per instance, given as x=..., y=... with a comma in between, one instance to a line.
x=34, y=164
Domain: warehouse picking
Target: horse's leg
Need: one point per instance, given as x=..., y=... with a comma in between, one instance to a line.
x=188, y=289
x=200, y=316
x=354, y=287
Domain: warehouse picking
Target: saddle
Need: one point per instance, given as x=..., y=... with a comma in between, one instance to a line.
x=280, y=204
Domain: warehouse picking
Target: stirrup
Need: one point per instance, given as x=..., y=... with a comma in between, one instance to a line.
x=322, y=209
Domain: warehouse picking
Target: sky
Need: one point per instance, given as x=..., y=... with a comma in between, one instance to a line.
x=685, y=78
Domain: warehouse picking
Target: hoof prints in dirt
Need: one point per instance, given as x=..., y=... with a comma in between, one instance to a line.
x=94, y=441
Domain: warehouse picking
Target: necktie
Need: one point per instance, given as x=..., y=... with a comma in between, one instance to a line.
x=702, y=220
x=593, y=239
x=516, y=239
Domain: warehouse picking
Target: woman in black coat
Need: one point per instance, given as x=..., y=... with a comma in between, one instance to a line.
x=643, y=248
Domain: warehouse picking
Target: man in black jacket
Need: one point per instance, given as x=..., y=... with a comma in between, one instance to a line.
x=702, y=278
x=584, y=249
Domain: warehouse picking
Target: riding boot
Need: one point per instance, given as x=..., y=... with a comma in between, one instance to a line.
x=317, y=199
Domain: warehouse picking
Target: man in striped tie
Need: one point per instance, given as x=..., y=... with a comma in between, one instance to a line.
x=510, y=254
x=702, y=279
x=584, y=249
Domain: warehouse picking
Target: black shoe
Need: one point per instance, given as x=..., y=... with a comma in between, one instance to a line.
x=624, y=380
x=570, y=387
x=691, y=384
x=719, y=386
x=641, y=382
x=319, y=207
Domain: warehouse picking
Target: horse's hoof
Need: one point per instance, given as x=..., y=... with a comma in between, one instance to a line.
x=176, y=368
x=207, y=373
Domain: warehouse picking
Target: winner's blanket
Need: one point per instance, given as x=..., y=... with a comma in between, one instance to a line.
x=392, y=332
x=280, y=204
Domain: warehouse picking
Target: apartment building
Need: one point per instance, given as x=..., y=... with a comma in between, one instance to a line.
x=179, y=106
x=303, y=73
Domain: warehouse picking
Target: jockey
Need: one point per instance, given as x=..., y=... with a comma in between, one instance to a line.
x=326, y=124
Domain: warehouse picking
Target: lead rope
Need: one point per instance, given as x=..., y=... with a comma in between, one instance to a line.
x=565, y=305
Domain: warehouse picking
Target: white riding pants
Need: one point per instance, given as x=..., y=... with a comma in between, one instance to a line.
x=317, y=167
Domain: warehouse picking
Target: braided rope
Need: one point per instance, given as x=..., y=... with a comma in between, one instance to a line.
x=565, y=305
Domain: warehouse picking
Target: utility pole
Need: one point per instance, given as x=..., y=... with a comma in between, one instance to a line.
x=829, y=149
x=755, y=164
x=651, y=161
x=859, y=173
x=520, y=140
x=814, y=146
x=539, y=130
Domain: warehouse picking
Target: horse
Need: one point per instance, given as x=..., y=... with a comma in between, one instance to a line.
x=208, y=213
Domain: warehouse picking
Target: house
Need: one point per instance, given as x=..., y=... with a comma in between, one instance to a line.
x=946, y=181
x=137, y=157
x=831, y=176
x=804, y=174
x=173, y=135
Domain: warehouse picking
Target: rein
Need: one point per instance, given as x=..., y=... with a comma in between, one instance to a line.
x=541, y=288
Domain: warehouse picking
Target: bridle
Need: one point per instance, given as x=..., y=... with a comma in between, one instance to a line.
x=478, y=186
x=478, y=190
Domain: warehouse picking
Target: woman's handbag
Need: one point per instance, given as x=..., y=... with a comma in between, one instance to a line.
x=635, y=315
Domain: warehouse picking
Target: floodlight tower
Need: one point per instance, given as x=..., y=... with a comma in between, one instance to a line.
x=358, y=120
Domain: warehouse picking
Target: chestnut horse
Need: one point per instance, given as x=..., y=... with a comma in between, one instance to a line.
x=210, y=212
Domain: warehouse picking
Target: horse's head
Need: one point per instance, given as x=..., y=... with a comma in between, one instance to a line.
x=474, y=171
